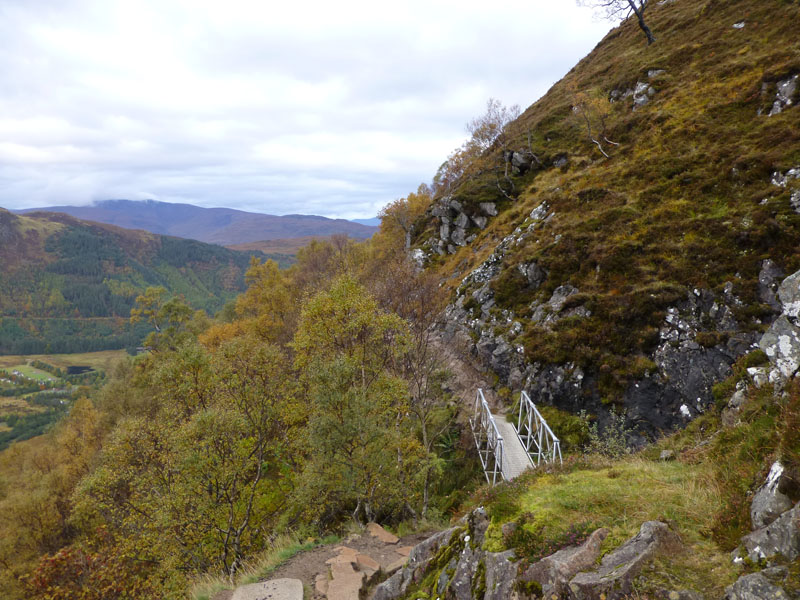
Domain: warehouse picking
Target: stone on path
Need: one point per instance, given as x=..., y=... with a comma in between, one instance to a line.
x=346, y=582
x=321, y=584
x=275, y=589
x=404, y=550
x=379, y=532
x=367, y=564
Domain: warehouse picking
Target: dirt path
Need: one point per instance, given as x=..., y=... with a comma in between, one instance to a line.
x=305, y=566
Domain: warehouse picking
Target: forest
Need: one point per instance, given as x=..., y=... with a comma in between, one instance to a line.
x=320, y=400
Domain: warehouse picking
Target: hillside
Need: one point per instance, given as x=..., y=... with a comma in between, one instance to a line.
x=223, y=226
x=626, y=251
x=619, y=244
x=69, y=285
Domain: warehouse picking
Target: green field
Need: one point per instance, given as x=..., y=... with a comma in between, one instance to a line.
x=32, y=373
x=100, y=361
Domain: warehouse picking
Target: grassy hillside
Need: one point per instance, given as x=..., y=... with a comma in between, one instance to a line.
x=686, y=198
x=68, y=285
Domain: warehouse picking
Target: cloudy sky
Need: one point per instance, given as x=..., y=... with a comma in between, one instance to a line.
x=331, y=108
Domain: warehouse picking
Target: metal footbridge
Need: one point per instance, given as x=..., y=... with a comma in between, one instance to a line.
x=508, y=449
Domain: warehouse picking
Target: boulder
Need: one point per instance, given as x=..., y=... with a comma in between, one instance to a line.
x=789, y=296
x=614, y=577
x=768, y=281
x=488, y=208
x=459, y=236
x=379, y=532
x=784, y=94
x=500, y=575
x=754, y=587
x=480, y=221
x=781, y=344
x=462, y=221
x=275, y=589
x=554, y=572
x=782, y=536
x=769, y=502
x=533, y=274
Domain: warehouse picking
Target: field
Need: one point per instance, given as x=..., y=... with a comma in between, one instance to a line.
x=101, y=361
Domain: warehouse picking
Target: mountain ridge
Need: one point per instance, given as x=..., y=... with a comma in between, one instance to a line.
x=218, y=225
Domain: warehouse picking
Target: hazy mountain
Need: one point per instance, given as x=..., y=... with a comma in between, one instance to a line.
x=212, y=225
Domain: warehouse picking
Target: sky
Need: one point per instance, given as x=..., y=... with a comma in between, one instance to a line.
x=328, y=108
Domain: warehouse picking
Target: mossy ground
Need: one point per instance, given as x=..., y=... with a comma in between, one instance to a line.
x=704, y=495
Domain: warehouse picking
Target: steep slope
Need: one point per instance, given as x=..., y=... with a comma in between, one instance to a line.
x=634, y=280
x=212, y=225
x=69, y=285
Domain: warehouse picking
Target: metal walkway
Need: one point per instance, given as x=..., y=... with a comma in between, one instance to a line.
x=507, y=450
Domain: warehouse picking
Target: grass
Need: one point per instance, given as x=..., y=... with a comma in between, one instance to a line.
x=592, y=492
x=101, y=361
x=262, y=566
x=678, y=203
x=32, y=373
x=11, y=405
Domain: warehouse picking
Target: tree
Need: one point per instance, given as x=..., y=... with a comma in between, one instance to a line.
x=619, y=10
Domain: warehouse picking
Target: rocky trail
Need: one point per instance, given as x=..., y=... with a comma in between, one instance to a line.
x=333, y=572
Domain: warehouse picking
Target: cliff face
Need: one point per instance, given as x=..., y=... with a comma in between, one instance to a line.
x=621, y=243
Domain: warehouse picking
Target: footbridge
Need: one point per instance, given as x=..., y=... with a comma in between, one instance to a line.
x=507, y=449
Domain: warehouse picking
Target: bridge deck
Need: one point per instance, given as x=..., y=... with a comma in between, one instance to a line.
x=515, y=459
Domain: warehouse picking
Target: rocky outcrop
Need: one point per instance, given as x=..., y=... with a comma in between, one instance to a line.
x=456, y=223
x=781, y=536
x=614, y=577
x=754, y=587
x=781, y=343
x=769, y=502
x=554, y=572
x=459, y=569
x=783, y=95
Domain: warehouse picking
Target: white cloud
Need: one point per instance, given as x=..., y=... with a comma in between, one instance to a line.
x=315, y=107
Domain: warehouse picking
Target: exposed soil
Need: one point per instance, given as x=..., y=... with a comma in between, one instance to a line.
x=306, y=565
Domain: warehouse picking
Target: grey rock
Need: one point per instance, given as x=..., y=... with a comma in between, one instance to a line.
x=444, y=577
x=444, y=231
x=458, y=236
x=768, y=281
x=480, y=221
x=618, y=94
x=754, y=587
x=781, y=344
x=455, y=205
x=440, y=210
x=652, y=73
x=462, y=221
x=769, y=502
x=739, y=25
x=501, y=573
x=782, y=536
x=560, y=161
x=275, y=589
x=614, y=577
x=667, y=455
x=784, y=95
x=554, y=572
x=794, y=201
x=775, y=573
x=540, y=212
x=489, y=208
x=533, y=274
x=461, y=585
x=789, y=296
x=642, y=94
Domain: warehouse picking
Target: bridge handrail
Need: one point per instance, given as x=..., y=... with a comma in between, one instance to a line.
x=483, y=421
x=552, y=442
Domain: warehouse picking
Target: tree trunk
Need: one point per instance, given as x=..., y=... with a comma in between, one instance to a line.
x=639, y=11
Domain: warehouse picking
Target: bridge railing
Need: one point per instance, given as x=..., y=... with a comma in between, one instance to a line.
x=487, y=439
x=539, y=441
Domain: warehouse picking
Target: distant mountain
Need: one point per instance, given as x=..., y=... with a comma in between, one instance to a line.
x=68, y=286
x=221, y=226
x=373, y=222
